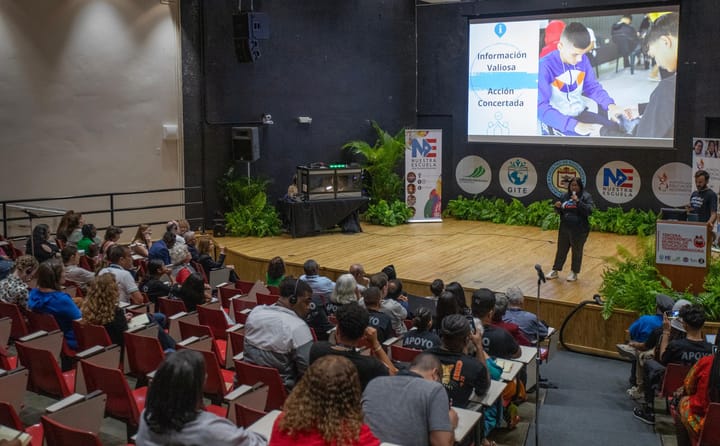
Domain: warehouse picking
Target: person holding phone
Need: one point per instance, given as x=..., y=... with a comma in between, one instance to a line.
x=574, y=207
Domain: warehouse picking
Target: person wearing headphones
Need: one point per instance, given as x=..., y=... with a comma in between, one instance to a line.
x=277, y=335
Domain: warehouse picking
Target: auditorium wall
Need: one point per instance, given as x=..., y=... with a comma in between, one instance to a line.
x=85, y=88
x=344, y=63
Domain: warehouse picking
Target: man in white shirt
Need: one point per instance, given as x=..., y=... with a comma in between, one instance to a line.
x=120, y=262
x=277, y=335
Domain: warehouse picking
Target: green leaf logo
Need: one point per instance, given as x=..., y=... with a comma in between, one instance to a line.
x=477, y=173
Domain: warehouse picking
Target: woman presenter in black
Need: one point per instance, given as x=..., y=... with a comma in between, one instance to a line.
x=574, y=208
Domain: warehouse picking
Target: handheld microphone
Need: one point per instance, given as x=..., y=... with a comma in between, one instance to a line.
x=541, y=275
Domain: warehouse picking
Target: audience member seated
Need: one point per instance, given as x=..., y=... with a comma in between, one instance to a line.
x=358, y=272
x=275, y=272
x=352, y=331
x=528, y=322
x=498, y=343
x=652, y=350
x=277, y=335
x=459, y=292
x=436, y=287
x=422, y=338
x=47, y=298
x=446, y=305
x=39, y=244
x=161, y=248
x=121, y=262
x=193, y=291
x=142, y=241
x=172, y=226
x=73, y=272
x=112, y=235
x=324, y=409
x=378, y=320
x=206, y=247
x=640, y=331
x=183, y=227
x=390, y=307
x=345, y=291
x=100, y=307
x=321, y=285
x=461, y=373
x=702, y=387
x=396, y=293
x=174, y=408
x=686, y=351
x=73, y=230
x=60, y=231
x=6, y=263
x=88, y=240
x=180, y=258
x=190, y=242
x=14, y=288
x=152, y=285
x=411, y=408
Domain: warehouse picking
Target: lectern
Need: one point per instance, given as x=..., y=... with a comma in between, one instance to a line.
x=682, y=253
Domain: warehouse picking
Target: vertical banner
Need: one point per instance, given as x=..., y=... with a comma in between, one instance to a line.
x=423, y=174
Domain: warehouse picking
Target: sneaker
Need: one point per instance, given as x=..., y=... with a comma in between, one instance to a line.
x=644, y=415
x=627, y=351
x=551, y=275
x=572, y=277
x=715, y=248
x=635, y=393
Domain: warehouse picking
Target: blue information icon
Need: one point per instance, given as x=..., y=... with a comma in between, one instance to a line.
x=500, y=29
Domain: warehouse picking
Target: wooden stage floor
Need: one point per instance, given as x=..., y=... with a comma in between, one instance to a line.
x=476, y=254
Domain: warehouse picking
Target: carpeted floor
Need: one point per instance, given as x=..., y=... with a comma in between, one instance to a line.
x=590, y=407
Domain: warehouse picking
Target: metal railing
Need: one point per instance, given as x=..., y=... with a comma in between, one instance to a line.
x=35, y=212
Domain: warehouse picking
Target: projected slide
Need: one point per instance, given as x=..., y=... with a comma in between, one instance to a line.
x=601, y=79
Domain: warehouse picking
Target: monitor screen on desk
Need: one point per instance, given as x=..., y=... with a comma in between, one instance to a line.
x=673, y=214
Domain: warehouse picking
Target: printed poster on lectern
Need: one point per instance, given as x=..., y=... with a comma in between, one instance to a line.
x=423, y=179
x=681, y=244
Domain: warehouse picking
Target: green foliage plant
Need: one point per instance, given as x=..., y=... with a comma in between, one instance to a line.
x=250, y=212
x=388, y=214
x=381, y=162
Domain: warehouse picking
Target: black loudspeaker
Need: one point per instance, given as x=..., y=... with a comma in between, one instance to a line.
x=219, y=230
x=248, y=28
x=245, y=144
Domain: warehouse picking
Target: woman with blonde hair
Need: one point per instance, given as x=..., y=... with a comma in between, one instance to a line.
x=332, y=417
x=100, y=307
x=142, y=240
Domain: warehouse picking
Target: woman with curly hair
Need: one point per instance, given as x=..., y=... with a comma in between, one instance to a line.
x=174, y=409
x=14, y=288
x=330, y=418
x=100, y=307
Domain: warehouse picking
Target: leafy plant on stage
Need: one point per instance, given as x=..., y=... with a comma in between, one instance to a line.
x=497, y=210
x=542, y=214
x=381, y=162
x=709, y=298
x=632, y=281
x=250, y=212
x=385, y=214
x=621, y=222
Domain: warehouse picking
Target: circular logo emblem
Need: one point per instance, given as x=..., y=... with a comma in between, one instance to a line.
x=618, y=182
x=473, y=174
x=672, y=184
x=560, y=174
x=518, y=177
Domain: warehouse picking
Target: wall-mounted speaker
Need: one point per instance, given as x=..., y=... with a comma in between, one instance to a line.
x=248, y=28
x=245, y=144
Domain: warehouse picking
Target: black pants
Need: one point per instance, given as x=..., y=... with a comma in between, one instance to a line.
x=570, y=236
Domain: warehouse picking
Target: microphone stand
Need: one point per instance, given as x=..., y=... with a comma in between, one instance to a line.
x=541, y=280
